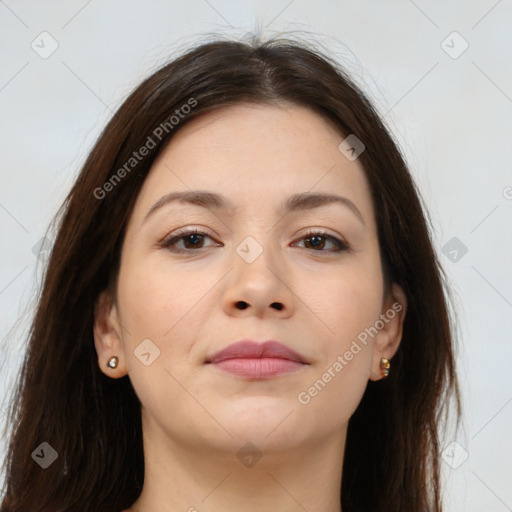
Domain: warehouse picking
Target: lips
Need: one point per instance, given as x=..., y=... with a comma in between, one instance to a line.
x=249, y=359
x=248, y=349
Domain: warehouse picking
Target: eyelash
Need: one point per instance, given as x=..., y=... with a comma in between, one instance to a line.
x=172, y=239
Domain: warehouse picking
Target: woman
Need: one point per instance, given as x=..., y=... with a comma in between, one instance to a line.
x=242, y=309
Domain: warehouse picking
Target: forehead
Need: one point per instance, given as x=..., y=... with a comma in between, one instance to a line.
x=271, y=128
x=256, y=156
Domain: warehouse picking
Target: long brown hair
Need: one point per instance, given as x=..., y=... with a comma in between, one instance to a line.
x=392, y=456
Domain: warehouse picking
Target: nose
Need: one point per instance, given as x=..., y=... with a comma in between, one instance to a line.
x=259, y=288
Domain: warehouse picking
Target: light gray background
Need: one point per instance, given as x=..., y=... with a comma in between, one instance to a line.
x=452, y=117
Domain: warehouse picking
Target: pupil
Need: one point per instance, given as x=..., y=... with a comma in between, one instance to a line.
x=195, y=237
x=318, y=239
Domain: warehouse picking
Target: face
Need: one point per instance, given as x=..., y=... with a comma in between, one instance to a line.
x=308, y=277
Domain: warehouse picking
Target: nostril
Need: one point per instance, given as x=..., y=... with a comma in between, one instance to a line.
x=277, y=305
x=241, y=304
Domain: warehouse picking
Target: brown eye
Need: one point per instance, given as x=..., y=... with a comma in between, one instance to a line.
x=317, y=240
x=192, y=239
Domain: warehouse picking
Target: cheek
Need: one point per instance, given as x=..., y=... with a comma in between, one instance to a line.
x=169, y=309
x=347, y=301
x=358, y=308
x=334, y=392
x=156, y=301
x=160, y=313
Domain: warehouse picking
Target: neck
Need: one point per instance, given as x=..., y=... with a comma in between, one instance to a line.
x=181, y=477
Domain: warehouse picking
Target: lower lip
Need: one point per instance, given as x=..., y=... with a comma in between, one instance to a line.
x=259, y=368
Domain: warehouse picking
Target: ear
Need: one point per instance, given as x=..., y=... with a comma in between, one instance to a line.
x=107, y=336
x=389, y=336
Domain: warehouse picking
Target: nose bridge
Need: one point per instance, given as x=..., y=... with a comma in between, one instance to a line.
x=258, y=238
x=257, y=277
x=256, y=255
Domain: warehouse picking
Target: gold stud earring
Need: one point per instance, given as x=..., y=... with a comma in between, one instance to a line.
x=384, y=366
x=112, y=363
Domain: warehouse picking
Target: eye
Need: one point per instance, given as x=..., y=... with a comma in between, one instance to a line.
x=316, y=239
x=191, y=237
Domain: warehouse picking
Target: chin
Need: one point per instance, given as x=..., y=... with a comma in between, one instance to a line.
x=269, y=423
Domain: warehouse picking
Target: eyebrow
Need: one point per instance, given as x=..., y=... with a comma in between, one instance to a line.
x=297, y=202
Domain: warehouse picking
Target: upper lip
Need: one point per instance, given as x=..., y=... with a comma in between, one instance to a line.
x=249, y=349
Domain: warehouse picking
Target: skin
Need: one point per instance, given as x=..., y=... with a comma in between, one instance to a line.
x=196, y=418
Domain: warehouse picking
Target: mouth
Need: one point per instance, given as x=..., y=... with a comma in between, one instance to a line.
x=252, y=360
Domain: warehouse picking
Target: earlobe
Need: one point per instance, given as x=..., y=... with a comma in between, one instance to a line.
x=107, y=340
x=389, y=337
